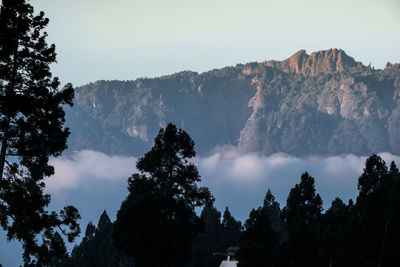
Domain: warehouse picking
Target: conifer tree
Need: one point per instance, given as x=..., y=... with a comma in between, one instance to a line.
x=210, y=240
x=302, y=216
x=156, y=223
x=232, y=229
x=259, y=243
x=375, y=213
x=391, y=237
x=31, y=130
x=96, y=248
x=336, y=234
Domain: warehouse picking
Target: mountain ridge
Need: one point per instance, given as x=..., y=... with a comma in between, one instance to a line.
x=319, y=62
x=271, y=63
x=274, y=106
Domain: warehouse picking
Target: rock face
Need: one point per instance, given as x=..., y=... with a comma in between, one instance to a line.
x=325, y=103
x=328, y=61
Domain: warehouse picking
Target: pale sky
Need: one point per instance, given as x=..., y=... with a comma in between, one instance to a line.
x=128, y=39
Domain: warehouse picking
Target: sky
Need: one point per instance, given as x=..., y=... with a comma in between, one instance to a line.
x=128, y=39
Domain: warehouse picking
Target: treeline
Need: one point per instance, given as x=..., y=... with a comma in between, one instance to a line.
x=364, y=233
x=97, y=249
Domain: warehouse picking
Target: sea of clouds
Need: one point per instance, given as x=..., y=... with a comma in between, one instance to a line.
x=237, y=180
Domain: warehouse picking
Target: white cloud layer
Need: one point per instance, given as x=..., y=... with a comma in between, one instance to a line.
x=84, y=166
x=228, y=173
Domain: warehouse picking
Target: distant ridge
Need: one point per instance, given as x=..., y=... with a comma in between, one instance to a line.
x=323, y=103
x=327, y=61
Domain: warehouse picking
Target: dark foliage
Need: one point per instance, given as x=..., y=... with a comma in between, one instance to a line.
x=362, y=234
x=210, y=240
x=156, y=223
x=376, y=215
x=302, y=216
x=232, y=229
x=216, y=236
x=31, y=130
x=259, y=245
x=335, y=232
x=96, y=248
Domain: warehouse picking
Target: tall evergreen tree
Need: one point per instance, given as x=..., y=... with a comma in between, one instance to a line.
x=84, y=254
x=259, y=243
x=31, y=130
x=302, y=216
x=376, y=206
x=96, y=248
x=336, y=234
x=156, y=222
x=369, y=211
x=373, y=179
x=389, y=247
x=274, y=211
x=232, y=229
x=209, y=241
x=58, y=251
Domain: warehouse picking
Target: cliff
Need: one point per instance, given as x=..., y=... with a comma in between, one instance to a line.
x=322, y=103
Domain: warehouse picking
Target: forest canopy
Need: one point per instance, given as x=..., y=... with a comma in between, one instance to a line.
x=362, y=232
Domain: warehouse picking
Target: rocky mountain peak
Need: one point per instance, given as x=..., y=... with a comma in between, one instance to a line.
x=322, y=103
x=325, y=61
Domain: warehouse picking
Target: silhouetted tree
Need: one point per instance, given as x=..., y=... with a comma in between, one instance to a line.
x=156, y=222
x=232, y=229
x=85, y=253
x=389, y=247
x=210, y=240
x=31, y=130
x=259, y=244
x=90, y=231
x=274, y=211
x=58, y=251
x=96, y=248
x=375, y=211
x=302, y=216
x=336, y=234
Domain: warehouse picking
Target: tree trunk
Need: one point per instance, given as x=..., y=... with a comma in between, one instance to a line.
x=4, y=148
x=383, y=244
x=9, y=91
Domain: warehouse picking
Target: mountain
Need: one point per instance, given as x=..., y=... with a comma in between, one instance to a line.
x=325, y=103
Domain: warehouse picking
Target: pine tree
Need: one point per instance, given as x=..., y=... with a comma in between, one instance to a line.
x=273, y=209
x=389, y=247
x=232, y=229
x=96, y=248
x=156, y=222
x=210, y=240
x=259, y=243
x=376, y=213
x=302, y=216
x=58, y=251
x=336, y=234
x=31, y=130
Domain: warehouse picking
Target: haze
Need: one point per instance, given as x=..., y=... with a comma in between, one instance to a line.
x=125, y=39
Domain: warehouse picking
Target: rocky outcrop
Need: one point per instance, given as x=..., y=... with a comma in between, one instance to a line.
x=322, y=103
x=321, y=62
